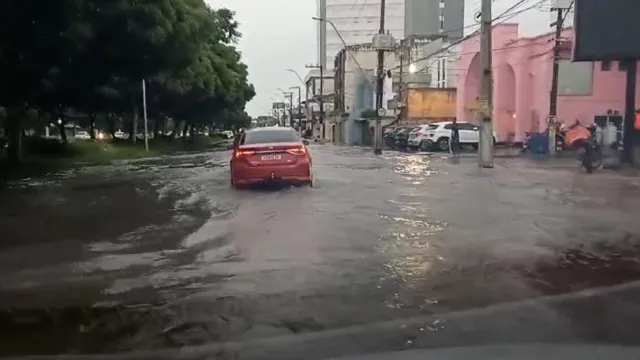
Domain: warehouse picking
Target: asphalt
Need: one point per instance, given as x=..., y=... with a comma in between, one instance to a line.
x=162, y=254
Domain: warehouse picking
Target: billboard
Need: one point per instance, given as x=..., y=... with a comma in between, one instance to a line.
x=606, y=30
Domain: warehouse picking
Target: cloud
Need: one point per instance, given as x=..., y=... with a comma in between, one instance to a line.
x=276, y=35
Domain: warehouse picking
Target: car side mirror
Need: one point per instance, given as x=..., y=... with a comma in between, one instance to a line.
x=305, y=141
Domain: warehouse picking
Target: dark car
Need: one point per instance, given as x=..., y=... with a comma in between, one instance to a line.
x=401, y=141
x=389, y=136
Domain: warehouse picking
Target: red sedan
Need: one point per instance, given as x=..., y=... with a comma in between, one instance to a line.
x=274, y=154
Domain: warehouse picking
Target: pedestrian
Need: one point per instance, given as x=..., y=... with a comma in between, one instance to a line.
x=454, y=143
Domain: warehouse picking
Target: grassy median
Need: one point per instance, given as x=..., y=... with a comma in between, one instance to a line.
x=46, y=155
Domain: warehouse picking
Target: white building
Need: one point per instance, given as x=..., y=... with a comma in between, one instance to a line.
x=533, y=16
x=441, y=65
x=357, y=21
x=361, y=74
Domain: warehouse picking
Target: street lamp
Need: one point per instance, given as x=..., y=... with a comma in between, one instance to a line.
x=296, y=73
x=342, y=40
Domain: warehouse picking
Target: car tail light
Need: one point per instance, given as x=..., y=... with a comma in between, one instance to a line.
x=300, y=150
x=244, y=153
x=419, y=133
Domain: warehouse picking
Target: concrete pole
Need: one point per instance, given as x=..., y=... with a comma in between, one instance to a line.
x=322, y=95
x=377, y=142
x=401, y=85
x=299, y=111
x=629, y=131
x=553, y=94
x=322, y=34
x=485, y=150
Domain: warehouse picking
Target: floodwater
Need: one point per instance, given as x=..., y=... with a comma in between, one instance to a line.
x=382, y=254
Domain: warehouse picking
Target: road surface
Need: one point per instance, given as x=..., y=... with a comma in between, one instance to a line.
x=161, y=254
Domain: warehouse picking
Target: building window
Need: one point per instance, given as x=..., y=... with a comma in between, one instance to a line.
x=444, y=72
x=605, y=66
x=438, y=74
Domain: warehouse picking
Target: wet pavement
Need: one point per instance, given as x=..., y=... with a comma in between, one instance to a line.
x=161, y=253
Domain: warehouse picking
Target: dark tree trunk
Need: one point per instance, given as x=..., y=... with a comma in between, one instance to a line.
x=92, y=126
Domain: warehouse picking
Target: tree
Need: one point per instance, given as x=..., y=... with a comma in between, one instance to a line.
x=92, y=55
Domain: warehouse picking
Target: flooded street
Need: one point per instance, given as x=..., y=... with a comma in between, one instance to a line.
x=384, y=253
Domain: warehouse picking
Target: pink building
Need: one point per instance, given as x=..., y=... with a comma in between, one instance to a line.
x=522, y=69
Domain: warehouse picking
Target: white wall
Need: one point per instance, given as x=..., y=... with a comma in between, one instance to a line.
x=534, y=16
x=443, y=67
x=368, y=60
x=358, y=21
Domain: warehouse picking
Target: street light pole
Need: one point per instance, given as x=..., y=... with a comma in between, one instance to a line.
x=297, y=75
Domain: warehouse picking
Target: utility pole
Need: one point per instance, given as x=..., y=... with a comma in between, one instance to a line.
x=299, y=108
x=320, y=99
x=289, y=95
x=401, y=84
x=553, y=94
x=377, y=149
x=485, y=101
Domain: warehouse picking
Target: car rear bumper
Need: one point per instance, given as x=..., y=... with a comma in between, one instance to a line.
x=294, y=174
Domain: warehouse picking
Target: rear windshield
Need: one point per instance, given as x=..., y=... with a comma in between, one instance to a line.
x=269, y=136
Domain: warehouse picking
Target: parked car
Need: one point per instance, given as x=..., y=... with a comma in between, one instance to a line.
x=82, y=135
x=401, y=141
x=271, y=154
x=418, y=138
x=436, y=135
x=389, y=137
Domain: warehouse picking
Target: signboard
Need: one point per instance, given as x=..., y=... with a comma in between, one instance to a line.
x=482, y=104
x=604, y=30
x=279, y=105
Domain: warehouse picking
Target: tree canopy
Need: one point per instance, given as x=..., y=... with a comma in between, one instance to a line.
x=91, y=56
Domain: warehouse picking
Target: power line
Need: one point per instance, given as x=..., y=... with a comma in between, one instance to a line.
x=501, y=16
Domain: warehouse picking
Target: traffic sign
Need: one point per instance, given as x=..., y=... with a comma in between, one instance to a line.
x=382, y=112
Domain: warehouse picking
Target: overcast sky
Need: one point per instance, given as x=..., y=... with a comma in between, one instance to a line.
x=276, y=35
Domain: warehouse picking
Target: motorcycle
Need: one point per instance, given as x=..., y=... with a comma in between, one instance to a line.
x=590, y=152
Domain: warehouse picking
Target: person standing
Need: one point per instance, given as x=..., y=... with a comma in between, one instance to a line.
x=454, y=143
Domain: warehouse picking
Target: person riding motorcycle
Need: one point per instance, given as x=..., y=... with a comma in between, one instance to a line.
x=579, y=136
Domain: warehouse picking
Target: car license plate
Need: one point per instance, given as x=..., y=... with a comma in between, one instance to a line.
x=271, y=157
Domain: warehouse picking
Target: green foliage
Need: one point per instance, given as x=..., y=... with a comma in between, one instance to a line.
x=90, y=56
